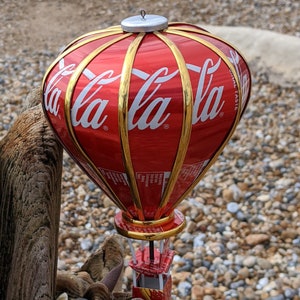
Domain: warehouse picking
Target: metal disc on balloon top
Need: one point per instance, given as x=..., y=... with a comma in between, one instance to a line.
x=144, y=23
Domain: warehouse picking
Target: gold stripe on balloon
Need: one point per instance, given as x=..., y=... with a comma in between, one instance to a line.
x=206, y=33
x=123, y=122
x=186, y=121
x=68, y=98
x=145, y=235
x=99, y=34
x=151, y=236
x=68, y=49
x=148, y=223
x=189, y=27
x=146, y=293
x=238, y=113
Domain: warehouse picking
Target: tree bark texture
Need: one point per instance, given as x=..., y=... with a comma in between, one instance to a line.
x=30, y=193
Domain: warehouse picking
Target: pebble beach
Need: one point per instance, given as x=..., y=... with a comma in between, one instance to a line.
x=242, y=239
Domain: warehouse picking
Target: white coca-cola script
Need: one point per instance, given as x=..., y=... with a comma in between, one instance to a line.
x=148, y=109
x=243, y=76
x=52, y=92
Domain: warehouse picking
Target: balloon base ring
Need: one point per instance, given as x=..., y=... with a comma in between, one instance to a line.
x=150, y=230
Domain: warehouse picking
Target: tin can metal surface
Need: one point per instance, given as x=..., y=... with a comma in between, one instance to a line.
x=146, y=114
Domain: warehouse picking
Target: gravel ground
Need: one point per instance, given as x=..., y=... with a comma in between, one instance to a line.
x=242, y=239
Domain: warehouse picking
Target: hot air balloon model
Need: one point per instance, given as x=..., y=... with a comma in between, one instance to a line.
x=145, y=109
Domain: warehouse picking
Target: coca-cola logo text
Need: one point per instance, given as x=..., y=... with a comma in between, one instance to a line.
x=52, y=92
x=242, y=76
x=148, y=109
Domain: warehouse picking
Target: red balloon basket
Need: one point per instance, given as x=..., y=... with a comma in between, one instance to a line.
x=145, y=109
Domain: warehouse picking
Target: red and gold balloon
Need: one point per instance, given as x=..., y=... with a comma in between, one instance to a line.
x=145, y=109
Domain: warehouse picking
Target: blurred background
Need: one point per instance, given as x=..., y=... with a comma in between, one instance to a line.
x=242, y=239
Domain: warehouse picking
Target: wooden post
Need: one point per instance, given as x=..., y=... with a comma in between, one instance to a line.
x=30, y=193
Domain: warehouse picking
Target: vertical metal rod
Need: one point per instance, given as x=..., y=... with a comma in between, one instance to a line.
x=151, y=250
x=161, y=281
x=143, y=280
x=134, y=278
x=143, y=251
x=132, y=251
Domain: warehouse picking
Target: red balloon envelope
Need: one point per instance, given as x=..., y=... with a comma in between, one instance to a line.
x=145, y=114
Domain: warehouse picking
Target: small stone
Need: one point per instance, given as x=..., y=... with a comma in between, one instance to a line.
x=186, y=237
x=292, y=208
x=191, y=226
x=63, y=296
x=276, y=297
x=128, y=272
x=220, y=227
x=275, y=164
x=296, y=242
x=69, y=243
x=237, y=193
x=86, y=244
x=61, y=265
x=197, y=292
x=262, y=283
x=233, y=207
x=264, y=263
x=209, y=276
x=289, y=234
x=227, y=194
x=178, y=260
x=228, y=276
x=290, y=293
x=182, y=248
x=243, y=273
x=197, y=263
x=249, y=293
x=263, y=198
x=81, y=193
x=241, y=216
x=189, y=256
x=199, y=240
x=209, y=290
x=181, y=277
x=91, y=186
x=184, y=288
x=231, y=294
x=296, y=283
x=264, y=295
x=187, y=267
x=249, y=261
x=271, y=286
x=232, y=246
x=259, y=134
x=235, y=285
x=216, y=248
x=255, y=239
x=107, y=202
x=284, y=182
x=206, y=263
x=239, y=259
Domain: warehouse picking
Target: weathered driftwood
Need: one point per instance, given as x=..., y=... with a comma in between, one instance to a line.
x=30, y=193
x=100, y=278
